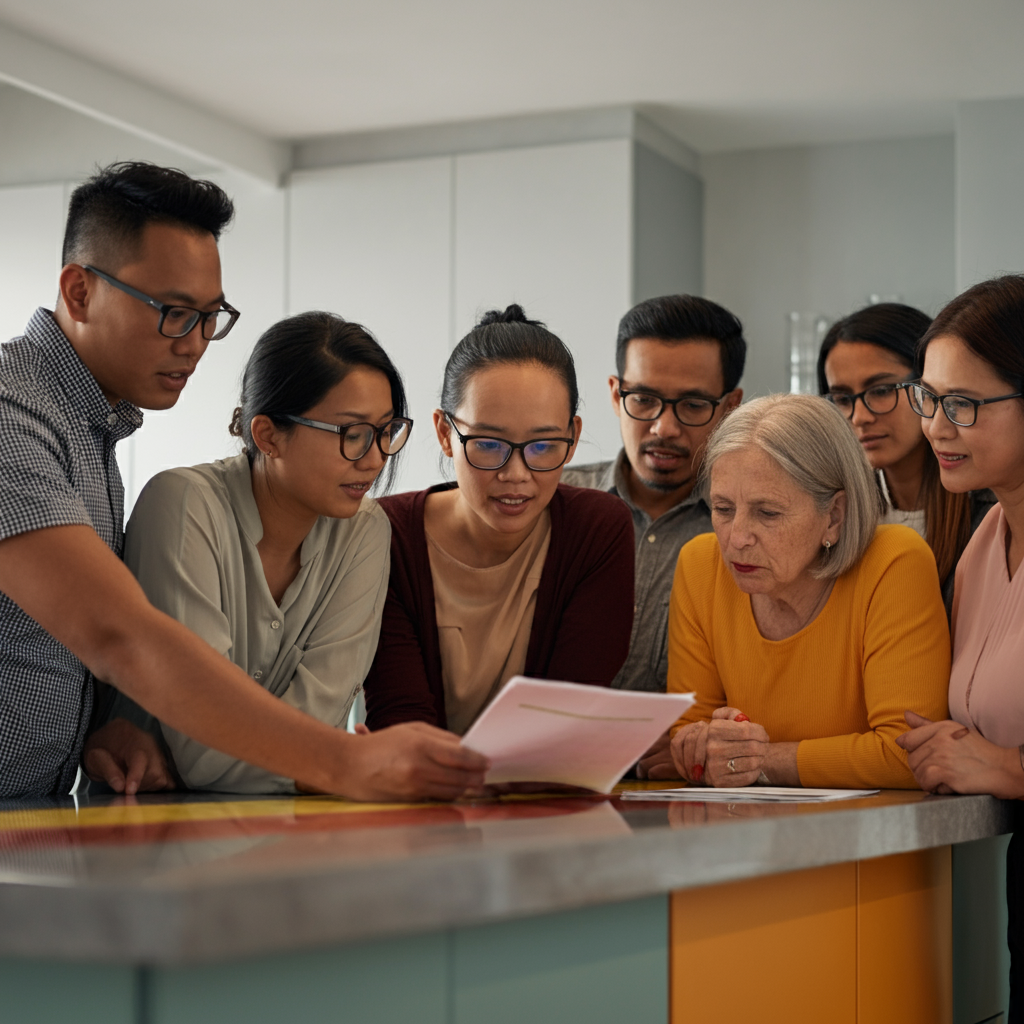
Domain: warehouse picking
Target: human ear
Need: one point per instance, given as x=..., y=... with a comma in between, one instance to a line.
x=577, y=430
x=732, y=401
x=444, y=432
x=265, y=435
x=836, y=516
x=75, y=291
x=577, y=427
x=613, y=387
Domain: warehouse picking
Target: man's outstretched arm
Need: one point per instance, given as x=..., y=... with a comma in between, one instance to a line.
x=70, y=582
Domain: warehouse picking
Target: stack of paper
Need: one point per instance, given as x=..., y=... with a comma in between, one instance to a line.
x=749, y=794
x=589, y=736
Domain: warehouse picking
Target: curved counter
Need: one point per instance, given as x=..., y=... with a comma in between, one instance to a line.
x=165, y=884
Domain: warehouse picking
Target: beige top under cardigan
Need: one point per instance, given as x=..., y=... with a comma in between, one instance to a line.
x=191, y=543
x=484, y=618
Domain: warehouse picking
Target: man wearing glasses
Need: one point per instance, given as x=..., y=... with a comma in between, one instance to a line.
x=679, y=360
x=140, y=300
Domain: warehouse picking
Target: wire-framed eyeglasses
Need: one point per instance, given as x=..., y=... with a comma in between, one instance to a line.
x=690, y=410
x=356, y=439
x=177, y=321
x=541, y=456
x=959, y=409
x=880, y=399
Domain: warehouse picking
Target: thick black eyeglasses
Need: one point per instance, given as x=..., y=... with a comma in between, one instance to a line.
x=540, y=456
x=358, y=438
x=690, y=410
x=880, y=399
x=177, y=321
x=959, y=409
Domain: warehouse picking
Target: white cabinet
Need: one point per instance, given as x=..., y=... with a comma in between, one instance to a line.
x=417, y=249
x=549, y=227
x=373, y=243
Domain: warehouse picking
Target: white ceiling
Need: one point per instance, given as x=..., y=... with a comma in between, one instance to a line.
x=722, y=74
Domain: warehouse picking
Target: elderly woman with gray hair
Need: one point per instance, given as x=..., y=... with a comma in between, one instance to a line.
x=805, y=628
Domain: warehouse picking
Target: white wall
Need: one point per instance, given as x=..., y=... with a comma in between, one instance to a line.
x=31, y=232
x=821, y=229
x=253, y=269
x=413, y=249
x=668, y=227
x=253, y=255
x=373, y=243
x=46, y=142
x=989, y=189
x=549, y=227
x=417, y=249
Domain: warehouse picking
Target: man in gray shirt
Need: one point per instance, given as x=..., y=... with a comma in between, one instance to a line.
x=679, y=360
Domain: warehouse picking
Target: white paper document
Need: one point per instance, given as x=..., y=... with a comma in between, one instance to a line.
x=542, y=731
x=749, y=794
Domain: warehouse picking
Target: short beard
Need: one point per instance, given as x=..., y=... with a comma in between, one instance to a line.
x=663, y=486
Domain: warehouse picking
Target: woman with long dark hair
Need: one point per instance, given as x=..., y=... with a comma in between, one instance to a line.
x=865, y=362
x=971, y=399
x=506, y=570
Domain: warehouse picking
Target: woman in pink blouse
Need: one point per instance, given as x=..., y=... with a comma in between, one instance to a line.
x=971, y=395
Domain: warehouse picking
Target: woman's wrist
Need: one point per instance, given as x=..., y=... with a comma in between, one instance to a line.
x=780, y=765
x=1015, y=772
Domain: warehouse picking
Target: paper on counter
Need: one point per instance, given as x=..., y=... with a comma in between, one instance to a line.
x=536, y=730
x=749, y=794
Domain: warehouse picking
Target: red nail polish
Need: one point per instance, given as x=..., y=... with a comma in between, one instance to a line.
x=741, y=718
x=697, y=772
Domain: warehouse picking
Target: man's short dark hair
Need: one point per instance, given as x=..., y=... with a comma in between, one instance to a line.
x=109, y=211
x=686, y=318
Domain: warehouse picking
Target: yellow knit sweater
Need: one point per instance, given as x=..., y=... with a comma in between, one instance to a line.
x=840, y=685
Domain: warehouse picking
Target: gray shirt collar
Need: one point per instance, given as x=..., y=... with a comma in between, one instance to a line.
x=614, y=480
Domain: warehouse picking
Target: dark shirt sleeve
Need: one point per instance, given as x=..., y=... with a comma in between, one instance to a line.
x=397, y=688
x=592, y=637
x=35, y=489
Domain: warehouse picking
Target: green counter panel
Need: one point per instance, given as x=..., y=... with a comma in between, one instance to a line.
x=601, y=964
x=44, y=992
x=598, y=965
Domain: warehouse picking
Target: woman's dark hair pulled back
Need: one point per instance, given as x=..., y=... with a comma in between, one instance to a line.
x=889, y=325
x=297, y=361
x=502, y=338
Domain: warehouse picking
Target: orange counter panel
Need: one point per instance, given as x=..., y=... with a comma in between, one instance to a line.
x=852, y=943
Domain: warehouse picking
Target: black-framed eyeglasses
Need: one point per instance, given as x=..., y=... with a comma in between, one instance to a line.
x=690, y=410
x=959, y=409
x=541, y=456
x=177, y=321
x=880, y=399
x=356, y=439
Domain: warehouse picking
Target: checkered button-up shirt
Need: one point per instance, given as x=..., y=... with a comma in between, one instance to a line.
x=57, y=468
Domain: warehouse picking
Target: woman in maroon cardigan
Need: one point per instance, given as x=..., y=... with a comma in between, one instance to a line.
x=506, y=571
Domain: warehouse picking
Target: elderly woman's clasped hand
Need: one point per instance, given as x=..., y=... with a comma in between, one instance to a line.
x=730, y=750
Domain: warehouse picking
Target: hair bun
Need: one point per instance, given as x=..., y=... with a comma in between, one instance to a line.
x=235, y=428
x=514, y=314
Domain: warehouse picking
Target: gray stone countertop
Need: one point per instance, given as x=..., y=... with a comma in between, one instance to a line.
x=186, y=879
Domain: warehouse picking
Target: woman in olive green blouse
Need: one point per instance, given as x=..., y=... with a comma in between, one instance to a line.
x=277, y=557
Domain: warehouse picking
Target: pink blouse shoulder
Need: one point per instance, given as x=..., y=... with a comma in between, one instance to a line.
x=986, y=686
